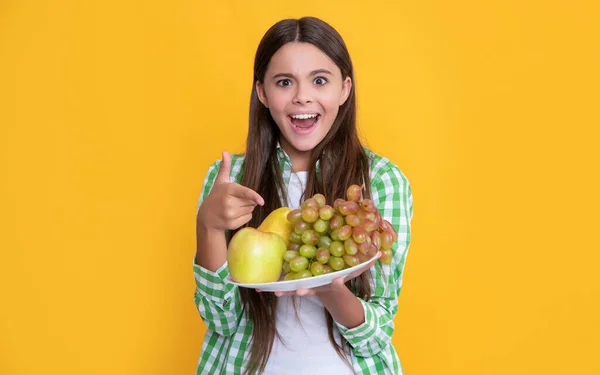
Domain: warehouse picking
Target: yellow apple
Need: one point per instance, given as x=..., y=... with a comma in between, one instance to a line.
x=255, y=257
x=277, y=222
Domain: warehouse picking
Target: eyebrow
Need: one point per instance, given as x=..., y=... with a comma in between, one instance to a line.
x=313, y=73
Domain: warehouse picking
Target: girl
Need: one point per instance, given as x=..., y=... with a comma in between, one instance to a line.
x=302, y=140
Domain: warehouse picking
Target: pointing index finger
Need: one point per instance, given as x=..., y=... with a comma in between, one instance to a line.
x=247, y=193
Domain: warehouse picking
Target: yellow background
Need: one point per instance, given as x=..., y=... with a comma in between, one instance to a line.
x=112, y=111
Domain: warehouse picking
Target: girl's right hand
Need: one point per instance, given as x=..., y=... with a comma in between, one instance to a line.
x=229, y=205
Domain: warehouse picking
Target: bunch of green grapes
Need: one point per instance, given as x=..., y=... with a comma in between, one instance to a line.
x=328, y=239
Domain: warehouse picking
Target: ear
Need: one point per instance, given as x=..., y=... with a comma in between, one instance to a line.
x=260, y=91
x=346, y=88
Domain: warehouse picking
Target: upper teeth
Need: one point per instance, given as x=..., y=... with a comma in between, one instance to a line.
x=304, y=116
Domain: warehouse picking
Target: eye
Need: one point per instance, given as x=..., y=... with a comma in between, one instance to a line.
x=320, y=81
x=284, y=83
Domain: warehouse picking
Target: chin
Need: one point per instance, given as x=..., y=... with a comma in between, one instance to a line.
x=304, y=146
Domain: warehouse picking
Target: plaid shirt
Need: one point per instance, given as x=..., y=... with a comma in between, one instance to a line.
x=226, y=346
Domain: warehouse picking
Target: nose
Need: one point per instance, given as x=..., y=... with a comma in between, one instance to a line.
x=303, y=94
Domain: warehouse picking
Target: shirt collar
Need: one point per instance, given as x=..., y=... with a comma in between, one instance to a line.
x=282, y=155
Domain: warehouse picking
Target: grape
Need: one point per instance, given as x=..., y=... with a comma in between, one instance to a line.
x=351, y=260
x=336, y=249
x=363, y=247
x=303, y=274
x=290, y=276
x=336, y=263
x=359, y=234
x=394, y=235
x=321, y=226
x=324, y=241
x=286, y=267
x=327, y=268
x=310, y=237
x=320, y=198
x=326, y=212
x=299, y=263
x=350, y=246
x=294, y=216
x=295, y=238
x=369, y=225
x=308, y=251
x=363, y=257
x=336, y=222
x=344, y=233
x=294, y=246
x=310, y=214
x=301, y=226
x=352, y=220
x=377, y=219
x=348, y=208
x=370, y=216
x=353, y=193
x=362, y=214
x=388, y=227
x=334, y=234
x=310, y=203
x=288, y=255
x=368, y=205
x=387, y=240
x=372, y=251
x=317, y=269
x=337, y=203
x=376, y=239
x=323, y=256
x=386, y=256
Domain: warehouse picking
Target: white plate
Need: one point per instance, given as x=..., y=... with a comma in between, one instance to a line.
x=309, y=282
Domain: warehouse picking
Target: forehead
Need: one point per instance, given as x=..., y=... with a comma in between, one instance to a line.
x=300, y=59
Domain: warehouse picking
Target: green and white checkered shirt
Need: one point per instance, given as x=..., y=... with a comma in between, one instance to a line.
x=226, y=346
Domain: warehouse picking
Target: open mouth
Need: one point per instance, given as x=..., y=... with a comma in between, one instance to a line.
x=304, y=123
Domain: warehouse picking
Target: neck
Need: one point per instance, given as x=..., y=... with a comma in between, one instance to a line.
x=300, y=159
x=299, y=166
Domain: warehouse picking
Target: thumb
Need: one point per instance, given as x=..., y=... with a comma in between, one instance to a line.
x=223, y=175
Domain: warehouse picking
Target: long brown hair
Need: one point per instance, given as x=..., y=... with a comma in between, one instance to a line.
x=262, y=173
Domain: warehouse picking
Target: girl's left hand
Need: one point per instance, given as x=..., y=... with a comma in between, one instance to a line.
x=336, y=285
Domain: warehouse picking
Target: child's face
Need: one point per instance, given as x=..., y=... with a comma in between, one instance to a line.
x=303, y=89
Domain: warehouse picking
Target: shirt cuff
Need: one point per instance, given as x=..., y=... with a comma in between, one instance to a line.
x=212, y=285
x=358, y=335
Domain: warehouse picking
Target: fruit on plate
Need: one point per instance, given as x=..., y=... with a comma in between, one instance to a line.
x=254, y=256
x=330, y=238
x=277, y=222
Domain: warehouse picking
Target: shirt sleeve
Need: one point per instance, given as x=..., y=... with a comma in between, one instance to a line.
x=217, y=300
x=392, y=195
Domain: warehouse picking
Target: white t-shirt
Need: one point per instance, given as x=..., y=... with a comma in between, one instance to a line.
x=306, y=348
